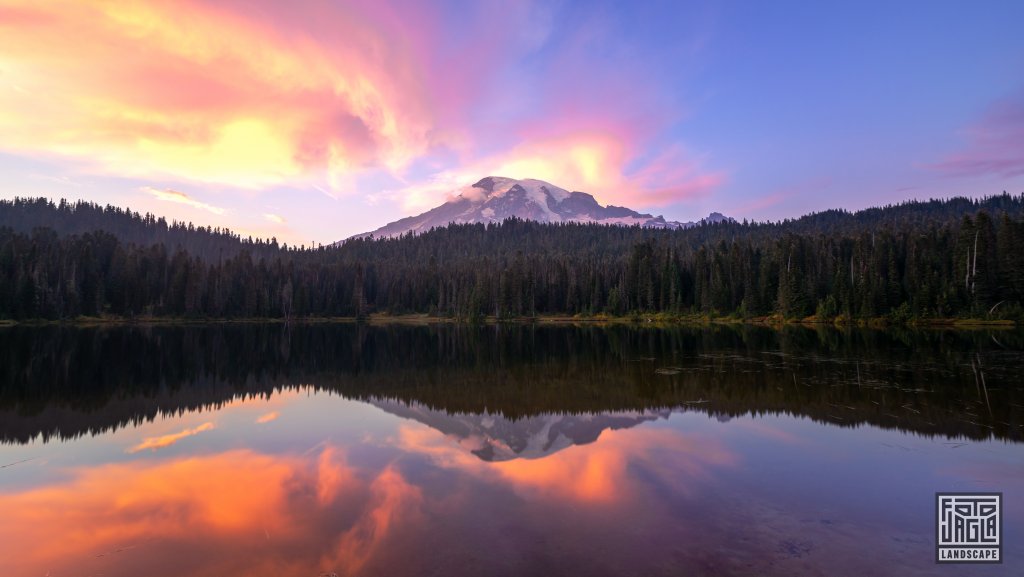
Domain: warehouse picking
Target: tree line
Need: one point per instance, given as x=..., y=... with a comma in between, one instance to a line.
x=941, y=258
x=885, y=378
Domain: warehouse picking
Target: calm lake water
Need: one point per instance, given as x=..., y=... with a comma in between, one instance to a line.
x=454, y=450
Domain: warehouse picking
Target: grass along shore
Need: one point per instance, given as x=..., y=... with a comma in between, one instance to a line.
x=661, y=319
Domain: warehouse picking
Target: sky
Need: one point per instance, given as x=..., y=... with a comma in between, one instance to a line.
x=311, y=121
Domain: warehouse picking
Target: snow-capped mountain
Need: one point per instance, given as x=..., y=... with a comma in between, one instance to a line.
x=494, y=437
x=496, y=198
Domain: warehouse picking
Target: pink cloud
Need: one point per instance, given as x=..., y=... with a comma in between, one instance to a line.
x=755, y=208
x=256, y=95
x=995, y=143
x=242, y=512
x=212, y=94
x=591, y=120
x=154, y=443
x=673, y=176
x=593, y=162
x=595, y=473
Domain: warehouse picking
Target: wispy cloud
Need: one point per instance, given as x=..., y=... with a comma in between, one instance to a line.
x=754, y=208
x=62, y=180
x=248, y=94
x=594, y=474
x=179, y=197
x=604, y=165
x=274, y=218
x=259, y=94
x=268, y=417
x=216, y=502
x=154, y=443
x=995, y=143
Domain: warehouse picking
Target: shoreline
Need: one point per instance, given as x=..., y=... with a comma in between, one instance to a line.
x=599, y=320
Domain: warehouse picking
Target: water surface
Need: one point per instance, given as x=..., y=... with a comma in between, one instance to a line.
x=451, y=450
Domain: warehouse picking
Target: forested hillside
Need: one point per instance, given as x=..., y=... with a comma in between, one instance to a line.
x=935, y=259
x=27, y=214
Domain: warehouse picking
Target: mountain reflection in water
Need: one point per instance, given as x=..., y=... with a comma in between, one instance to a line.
x=67, y=382
x=494, y=437
x=452, y=450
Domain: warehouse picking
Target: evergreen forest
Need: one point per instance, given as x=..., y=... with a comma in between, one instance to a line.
x=937, y=259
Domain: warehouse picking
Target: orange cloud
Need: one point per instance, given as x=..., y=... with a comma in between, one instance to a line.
x=333, y=475
x=243, y=512
x=592, y=473
x=393, y=501
x=261, y=94
x=154, y=443
x=267, y=417
x=138, y=502
x=238, y=512
x=209, y=93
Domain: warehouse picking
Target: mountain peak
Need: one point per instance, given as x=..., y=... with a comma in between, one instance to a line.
x=488, y=182
x=497, y=186
x=494, y=437
x=497, y=198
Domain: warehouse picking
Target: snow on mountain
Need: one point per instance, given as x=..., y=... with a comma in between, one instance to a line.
x=494, y=437
x=496, y=198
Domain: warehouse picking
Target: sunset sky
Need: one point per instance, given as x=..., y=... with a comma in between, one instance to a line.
x=312, y=121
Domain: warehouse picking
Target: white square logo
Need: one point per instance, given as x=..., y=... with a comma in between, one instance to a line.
x=968, y=528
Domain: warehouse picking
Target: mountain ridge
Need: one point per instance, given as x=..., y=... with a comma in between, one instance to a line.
x=497, y=198
x=493, y=437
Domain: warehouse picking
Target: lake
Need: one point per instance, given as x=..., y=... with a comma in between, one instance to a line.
x=501, y=450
